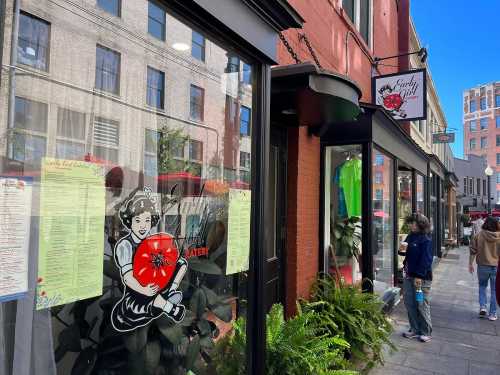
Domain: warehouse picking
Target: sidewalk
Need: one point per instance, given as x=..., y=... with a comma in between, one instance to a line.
x=462, y=343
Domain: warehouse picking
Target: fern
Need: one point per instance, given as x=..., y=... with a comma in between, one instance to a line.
x=358, y=317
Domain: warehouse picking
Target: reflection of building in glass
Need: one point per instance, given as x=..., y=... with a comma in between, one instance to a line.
x=114, y=84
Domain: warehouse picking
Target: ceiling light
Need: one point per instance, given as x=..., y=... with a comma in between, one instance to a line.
x=180, y=46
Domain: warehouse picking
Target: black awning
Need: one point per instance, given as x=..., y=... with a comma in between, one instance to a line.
x=303, y=95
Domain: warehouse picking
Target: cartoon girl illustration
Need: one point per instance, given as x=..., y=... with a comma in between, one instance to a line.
x=392, y=102
x=143, y=302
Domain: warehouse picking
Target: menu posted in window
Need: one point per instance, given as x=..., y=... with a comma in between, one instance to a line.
x=71, y=245
x=15, y=217
x=238, y=237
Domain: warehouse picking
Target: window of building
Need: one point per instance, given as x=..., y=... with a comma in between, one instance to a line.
x=379, y=159
x=30, y=115
x=33, y=42
x=198, y=46
x=245, y=117
x=233, y=64
x=156, y=88
x=379, y=177
x=483, y=123
x=71, y=134
x=498, y=178
x=472, y=143
x=478, y=186
x=465, y=185
x=497, y=100
x=379, y=194
x=497, y=122
x=484, y=142
x=244, y=160
x=498, y=159
x=471, y=186
x=472, y=105
x=360, y=13
x=473, y=125
x=498, y=196
x=195, y=150
x=482, y=103
x=247, y=74
x=484, y=187
x=156, y=20
x=107, y=70
x=498, y=140
x=151, y=139
x=106, y=139
x=111, y=6
x=196, y=103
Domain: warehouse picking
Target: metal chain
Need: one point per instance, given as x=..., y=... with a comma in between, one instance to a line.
x=289, y=48
x=311, y=50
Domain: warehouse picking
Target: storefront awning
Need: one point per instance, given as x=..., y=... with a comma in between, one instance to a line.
x=303, y=95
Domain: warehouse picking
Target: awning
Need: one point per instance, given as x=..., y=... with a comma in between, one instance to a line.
x=303, y=95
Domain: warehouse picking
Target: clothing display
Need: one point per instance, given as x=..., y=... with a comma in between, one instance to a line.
x=348, y=179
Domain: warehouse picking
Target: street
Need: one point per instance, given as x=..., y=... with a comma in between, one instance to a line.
x=462, y=343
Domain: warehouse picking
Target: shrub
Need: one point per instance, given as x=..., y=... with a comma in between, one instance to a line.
x=343, y=310
x=294, y=347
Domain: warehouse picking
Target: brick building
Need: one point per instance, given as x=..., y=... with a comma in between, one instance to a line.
x=481, y=121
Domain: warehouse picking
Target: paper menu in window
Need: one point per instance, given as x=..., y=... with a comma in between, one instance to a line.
x=238, y=237
x=71, y=246
x=15, y=217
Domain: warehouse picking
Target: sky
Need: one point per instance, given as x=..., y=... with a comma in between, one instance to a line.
x=463, y=41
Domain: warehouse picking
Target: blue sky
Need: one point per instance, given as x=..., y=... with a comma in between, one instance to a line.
x=463, y=41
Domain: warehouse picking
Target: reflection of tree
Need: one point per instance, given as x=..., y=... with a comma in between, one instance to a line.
x=171, y=144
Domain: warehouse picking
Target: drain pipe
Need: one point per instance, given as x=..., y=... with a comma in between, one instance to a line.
x=13, y=63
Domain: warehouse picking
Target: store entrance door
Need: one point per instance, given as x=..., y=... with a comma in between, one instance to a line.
x=275, y=251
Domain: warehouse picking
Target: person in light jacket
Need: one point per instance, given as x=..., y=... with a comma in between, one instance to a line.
x=418, y=276
x=484, y=250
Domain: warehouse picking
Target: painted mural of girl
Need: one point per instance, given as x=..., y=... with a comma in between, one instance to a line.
x=142, y=303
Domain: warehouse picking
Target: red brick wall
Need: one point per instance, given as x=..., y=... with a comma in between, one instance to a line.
x=303, y=215
x=329, y=31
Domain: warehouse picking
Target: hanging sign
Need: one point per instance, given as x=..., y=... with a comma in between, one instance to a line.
x=403, y=95
x=443, y=138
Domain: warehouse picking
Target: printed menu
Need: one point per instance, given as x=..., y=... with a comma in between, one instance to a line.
x=71, y=246
x=15, y=217
x=238, y=238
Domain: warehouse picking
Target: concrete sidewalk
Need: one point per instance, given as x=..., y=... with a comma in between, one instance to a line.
x=462, y=343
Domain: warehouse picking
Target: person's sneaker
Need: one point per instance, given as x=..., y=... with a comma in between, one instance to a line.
x=492, y=317
x=409, y=335
x=483, y=313
x=425, y=338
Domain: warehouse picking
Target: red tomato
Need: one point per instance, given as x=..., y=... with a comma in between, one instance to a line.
x=393, y=101
x=155, y=260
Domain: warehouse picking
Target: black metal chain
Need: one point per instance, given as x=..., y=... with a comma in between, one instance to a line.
x=311, y=50
x=289, y=49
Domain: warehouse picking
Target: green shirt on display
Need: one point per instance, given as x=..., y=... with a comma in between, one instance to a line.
x=350, y=182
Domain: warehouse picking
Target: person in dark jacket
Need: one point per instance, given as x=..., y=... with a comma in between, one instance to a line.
x=417, y=269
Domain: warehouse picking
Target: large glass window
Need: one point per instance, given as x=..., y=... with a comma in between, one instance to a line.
x=245, y=115
x=472, y=105
x=343, y=230
x=111, y=6
x=497, y=100
x=107, y=70
x=421, y=194
x=483, y=123
x=33, y=42
x=198, y=46
x=482, y=103
x=383, y=226
x=156, y=20
x=139, y=218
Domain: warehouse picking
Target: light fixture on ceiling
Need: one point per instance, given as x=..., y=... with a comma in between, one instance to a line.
x=179, y=46
x=289, y=111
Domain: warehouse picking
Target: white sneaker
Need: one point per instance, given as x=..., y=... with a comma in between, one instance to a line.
x=493, y=317
x=483, y=313
x=425, y=338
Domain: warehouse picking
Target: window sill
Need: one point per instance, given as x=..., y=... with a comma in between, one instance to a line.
x=107, y=94
x=29, y=68
x=196, y=121
x=161, y=111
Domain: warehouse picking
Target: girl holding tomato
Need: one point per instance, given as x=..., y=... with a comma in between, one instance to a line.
x=150, y=267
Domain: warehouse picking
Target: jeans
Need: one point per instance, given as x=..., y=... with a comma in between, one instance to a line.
x=419, y=313
x=485, y=274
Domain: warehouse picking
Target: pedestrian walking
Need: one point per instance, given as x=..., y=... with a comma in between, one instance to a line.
x=417, y=268
x=477, y=225
x=484, y=251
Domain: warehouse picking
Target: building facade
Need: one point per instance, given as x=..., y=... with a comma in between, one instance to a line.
x=472, y=188
x=481, y=121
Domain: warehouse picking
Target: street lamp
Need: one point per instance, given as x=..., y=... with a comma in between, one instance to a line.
x=489, y=172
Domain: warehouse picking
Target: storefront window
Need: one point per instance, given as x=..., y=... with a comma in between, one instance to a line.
x=343, y=230
x=383, y=226
x=405, y=194
x=133, y=217
x=420, y=194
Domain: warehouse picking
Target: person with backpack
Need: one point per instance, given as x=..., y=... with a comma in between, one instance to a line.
x=484, y=251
